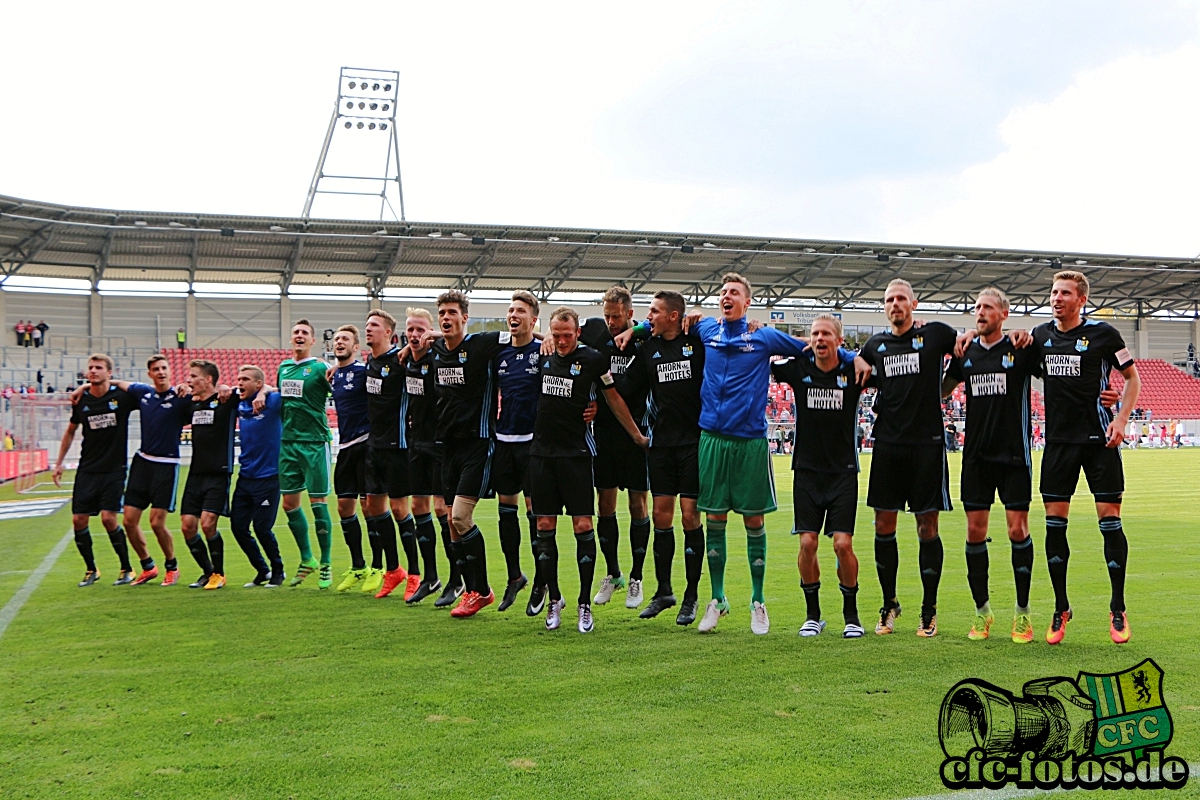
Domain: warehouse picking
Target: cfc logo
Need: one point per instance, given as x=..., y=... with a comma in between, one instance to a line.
x=1095, y=731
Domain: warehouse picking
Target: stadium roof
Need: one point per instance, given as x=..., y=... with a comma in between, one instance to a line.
x=48, y=240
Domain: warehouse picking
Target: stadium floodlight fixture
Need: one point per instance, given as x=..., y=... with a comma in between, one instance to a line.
x=642, y=241
x=960, y=257
x=902, y=254
x=1080, y=262
x=810, y=250
x=710, y=245
x=664, y=244
x=366, y=102
x=381, y=232
x=173, y=224
x=868, y=252
x=141, y=223
x=435, y=234
x=277, y=228
x=1027, y=260
x=458, y=235
x=553, y=239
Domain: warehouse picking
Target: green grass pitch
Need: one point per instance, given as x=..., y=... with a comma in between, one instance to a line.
x=154, y=692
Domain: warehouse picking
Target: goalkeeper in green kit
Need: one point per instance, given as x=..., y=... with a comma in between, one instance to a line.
x=304, y=455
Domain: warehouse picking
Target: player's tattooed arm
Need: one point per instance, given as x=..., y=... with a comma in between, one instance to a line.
x=1129, y=395
x=621, y=412
x=65, y=445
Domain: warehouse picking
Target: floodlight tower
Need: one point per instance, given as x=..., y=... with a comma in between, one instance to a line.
x=366, y=102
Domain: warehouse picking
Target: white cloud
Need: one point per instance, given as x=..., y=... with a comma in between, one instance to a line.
x=1110, y=165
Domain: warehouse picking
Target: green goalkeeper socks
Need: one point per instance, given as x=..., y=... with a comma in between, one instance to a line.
x=716, y=557
x=298, y=525
x=324, y=526
x=756, y=552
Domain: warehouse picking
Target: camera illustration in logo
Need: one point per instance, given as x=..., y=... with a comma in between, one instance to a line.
x=1094, y=730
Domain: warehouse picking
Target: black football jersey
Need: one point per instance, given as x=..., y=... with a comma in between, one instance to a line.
x=668, y=373
x=105, y=423
x=594, y=333
x=908, y=375
x=212, y=435
x=387, y=401
x=1075, y=368
x=466, y=383
x=420, y=383
x=569, y=383
x=997, y=381
x=826, y=413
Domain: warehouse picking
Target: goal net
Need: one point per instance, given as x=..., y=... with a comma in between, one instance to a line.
x=38, y=423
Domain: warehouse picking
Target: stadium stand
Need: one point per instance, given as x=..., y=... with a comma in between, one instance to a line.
x=1167, y=392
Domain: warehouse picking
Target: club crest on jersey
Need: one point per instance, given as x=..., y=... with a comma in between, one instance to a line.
x=307, y=371
x=213, y=404
x=424, y=369
x=1007, y=360
x=462, y=357
x=112, y=404
x=576, y=368
x=918, y=342
x=1082, y=344
x=842, y=382
x=687, y=351
x=384, y=372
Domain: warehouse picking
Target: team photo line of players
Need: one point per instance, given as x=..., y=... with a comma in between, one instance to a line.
x=670, y=409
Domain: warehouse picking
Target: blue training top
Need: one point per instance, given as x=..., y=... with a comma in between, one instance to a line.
x=260, y=435
x=519, y=370
x=737, y=374
x=163, y=416
x=350, y=400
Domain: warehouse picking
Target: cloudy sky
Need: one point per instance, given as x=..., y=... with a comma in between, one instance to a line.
x=1065, y=126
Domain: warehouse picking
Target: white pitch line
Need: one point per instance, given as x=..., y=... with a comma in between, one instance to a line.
x=1009, y=792
x=9, y=612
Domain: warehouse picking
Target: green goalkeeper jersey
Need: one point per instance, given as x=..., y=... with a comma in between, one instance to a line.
x=305, y=390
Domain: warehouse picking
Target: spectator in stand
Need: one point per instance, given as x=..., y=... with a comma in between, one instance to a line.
x=20, y=329
x=8, y=441
x=40, y=333
x=40, y=377
x=181, y=339
x=35, y=334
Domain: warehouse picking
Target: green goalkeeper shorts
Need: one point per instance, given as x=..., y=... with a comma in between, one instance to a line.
x=735, y=475
x=304, y=466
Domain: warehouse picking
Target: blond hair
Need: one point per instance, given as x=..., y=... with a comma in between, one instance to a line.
x=1079, y=278
x=837, y=323
x=350, y=329
x=735, y=277
x=423, y=313
x=383, y=315
x=1000, y=296
x=900, y=282
x=253, y=370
